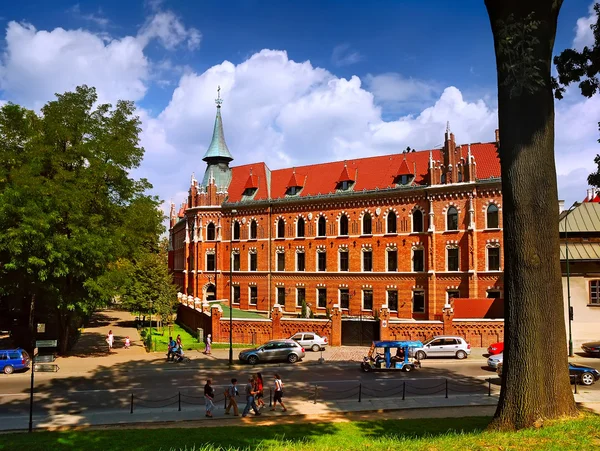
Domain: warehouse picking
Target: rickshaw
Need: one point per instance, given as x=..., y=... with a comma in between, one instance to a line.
x=398, y=361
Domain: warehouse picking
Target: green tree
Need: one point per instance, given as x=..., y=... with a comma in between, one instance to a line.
x=582, y=67
x=68, y=208
x=536, y=384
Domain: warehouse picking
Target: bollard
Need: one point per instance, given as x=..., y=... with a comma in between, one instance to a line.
x=403, y=390
x=490, y=386
x=575, y=380
x=359, y=392
x=131, y=411
x=446, y=388
x=315, y=394
x=270, y=397
x=180, y=401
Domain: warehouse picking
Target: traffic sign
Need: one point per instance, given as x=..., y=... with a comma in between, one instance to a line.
x=46, y=343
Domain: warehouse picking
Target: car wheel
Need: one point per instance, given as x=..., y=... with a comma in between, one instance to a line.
x=8, y=369
x=461, y=355
x=587, y=379
x=316, y=348
x=420, y=355
x=252, y=360
x=292, y=358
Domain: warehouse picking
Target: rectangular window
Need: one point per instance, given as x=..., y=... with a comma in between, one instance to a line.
x=418, y=260
x=321, y=261
x=236, y=294
x=280, y=261
x=300, y=296
x=300, y=261
x=392, y=300
x=253, y=295
x=236, y=262
x=493, y=259
x=493, y=294
x=453, y=294
x=344, y=266
x=367, y=299
x=595, y=292
x=368, y=261
x=452, y=259
x=281, y=296
x=418, y=302
x=392, y=260
x=344, y=298
x=253, y=261
x=322, y=297
x=210, y=262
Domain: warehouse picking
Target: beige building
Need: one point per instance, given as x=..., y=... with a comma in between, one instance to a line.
x=580, y=262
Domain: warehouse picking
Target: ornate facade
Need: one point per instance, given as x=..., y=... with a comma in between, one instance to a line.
x=407, y=231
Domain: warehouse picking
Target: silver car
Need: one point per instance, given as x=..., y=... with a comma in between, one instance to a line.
x=495, y=360
x=310, y=340
x=275, y=350
x=443, y=346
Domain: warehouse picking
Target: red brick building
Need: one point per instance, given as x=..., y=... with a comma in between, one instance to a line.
x=407, y=230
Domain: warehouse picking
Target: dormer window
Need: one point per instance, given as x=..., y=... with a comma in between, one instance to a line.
x=293, y=190
x=345, y=185
x=249, y=192
x=295, y=184
x=344, y=181
x=251, y=186
x=404, y=176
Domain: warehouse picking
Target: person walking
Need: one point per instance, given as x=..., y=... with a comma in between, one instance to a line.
x=250, y=392
x=259, y=390
x=207, y=344
x=127, y=342
x=110, y=338
x=232, y=392
x=209, y=396
x=278, y=393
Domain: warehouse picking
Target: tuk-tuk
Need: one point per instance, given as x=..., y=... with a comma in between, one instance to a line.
x=395, y=356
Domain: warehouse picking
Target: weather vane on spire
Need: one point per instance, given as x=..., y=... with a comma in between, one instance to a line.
x=219, y=100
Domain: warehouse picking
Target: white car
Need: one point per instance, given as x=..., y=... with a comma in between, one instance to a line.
x=495, y=360
x=310, y=340
x=443, y=346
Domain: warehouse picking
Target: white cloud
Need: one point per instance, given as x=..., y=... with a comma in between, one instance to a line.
x=583, y=32
x=343, y=55
x=97, y=18
x=170, y=31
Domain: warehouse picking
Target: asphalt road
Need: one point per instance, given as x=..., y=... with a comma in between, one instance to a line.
x=157, y=387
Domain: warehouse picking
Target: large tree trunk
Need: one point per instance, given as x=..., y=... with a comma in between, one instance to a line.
x=535, y=382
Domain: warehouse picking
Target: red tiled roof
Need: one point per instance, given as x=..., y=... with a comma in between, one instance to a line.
x=403, y=170
x=367, y=173
x=252, y=182
x=344, y=176
x=295, y=180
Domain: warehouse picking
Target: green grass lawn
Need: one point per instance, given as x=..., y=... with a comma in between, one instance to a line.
x=423, y=434
x=237, y=313
x=160, y=342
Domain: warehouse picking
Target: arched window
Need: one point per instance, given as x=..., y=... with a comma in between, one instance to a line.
x=322, y=226
x=343, y=225
x=300, y=227
x=366, y=223
x=391, y=222
x=236, y=230
x=417, y=221
x=452, y=219
x=210, y=232
x=492, y=217
x=253, y=230
x=280, y=228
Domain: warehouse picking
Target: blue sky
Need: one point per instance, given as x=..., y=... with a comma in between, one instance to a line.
x=303, y=81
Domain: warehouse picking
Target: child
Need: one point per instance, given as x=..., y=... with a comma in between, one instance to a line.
x=232, y=392
x=127, y=342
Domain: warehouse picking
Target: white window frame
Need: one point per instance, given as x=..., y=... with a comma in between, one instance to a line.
x=250, y=229
x=277, y=228
x=387, y=299
x=448, y=248
x=215, y=228
x=298, y=252
x=457, y=219
x=319, y=220
x=387, y=251
x=284, y=295
x=339, y=230
x=277, y=254
x=453, y=290
x=317, y=296
x=412, y=301
x=252, y=252
x=387, y=218
x=210, y=252
x=487, y=257
x=233, y=287
x=340, y=298
x=362, y=224
x=239, y=228
x=362, y=295
x=297, y=226
x=299, y=304
x=497, y=214
x=340, y=250
x=362, y=260
x=412, y=221
x=412, y=259
x=321, y=251
x=250, y=295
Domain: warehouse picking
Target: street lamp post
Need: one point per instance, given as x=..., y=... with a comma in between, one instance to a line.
x=570, y=311
x=233, y=212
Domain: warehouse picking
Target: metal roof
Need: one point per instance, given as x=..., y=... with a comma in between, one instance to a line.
x=218, y=148
x=580, y=251
x=583, y=218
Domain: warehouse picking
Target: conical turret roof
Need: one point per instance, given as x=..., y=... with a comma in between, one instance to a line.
x=218, y=147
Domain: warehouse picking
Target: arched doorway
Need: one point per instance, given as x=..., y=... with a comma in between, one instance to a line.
x=210, y=292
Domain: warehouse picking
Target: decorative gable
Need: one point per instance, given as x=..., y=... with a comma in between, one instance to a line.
x=404, y=176
x=294, y=186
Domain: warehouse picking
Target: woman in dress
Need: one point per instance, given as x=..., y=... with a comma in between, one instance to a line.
x=110, y=338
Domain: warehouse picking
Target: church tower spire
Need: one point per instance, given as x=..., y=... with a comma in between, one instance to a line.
x=217, y=156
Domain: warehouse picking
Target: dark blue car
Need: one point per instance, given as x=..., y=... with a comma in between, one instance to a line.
x=13, y=359
x=584, y=375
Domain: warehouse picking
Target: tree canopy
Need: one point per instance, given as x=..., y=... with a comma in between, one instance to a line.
x=69, y=208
